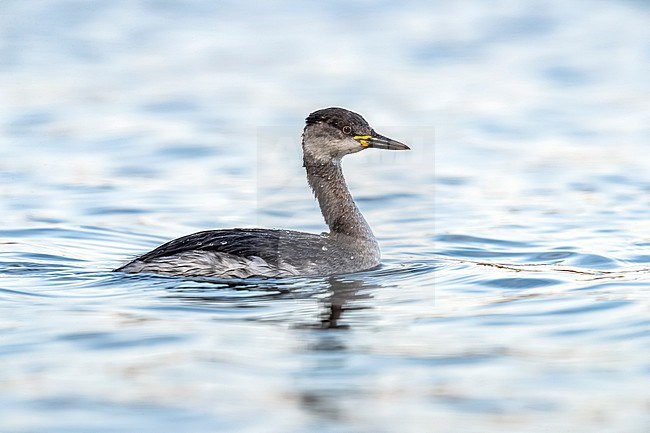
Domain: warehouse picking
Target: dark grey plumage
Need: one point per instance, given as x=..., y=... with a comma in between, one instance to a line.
x=350, y=245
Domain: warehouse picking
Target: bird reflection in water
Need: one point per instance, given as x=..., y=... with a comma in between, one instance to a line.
x=263, y=301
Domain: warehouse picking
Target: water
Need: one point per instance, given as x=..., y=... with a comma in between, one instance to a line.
x=513, y=294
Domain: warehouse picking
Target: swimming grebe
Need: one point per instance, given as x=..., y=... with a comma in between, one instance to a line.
x=350, y=246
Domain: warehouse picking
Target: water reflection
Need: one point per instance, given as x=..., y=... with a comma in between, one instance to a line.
x=342, y=297
x=337, y=298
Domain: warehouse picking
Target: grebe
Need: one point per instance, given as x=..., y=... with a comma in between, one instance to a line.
x=350, y=246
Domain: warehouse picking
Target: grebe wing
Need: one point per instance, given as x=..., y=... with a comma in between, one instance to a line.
x=264, y=243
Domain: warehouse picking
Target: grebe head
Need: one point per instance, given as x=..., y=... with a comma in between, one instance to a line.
x=332, y=133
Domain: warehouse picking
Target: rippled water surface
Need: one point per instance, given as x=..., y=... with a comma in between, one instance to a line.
x=513, y=294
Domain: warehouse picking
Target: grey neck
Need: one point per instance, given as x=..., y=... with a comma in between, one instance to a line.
x=336, y=204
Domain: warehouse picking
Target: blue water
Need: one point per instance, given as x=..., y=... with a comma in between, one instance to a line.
x=513, y=294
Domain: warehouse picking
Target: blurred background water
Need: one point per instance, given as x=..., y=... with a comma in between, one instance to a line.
x=513, y=294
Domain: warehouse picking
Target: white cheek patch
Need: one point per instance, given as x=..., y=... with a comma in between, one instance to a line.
x=332, y=149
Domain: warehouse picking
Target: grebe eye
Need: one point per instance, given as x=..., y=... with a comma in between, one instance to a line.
x=347, y=129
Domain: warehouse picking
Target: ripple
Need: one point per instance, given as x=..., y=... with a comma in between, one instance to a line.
x=551, y=256
x=22, y=268
x=12, y=294
x=589, y=308
x=521, y=283
x=118, y=340
x=592, y=261
x=466, y=239
x=642, y=258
